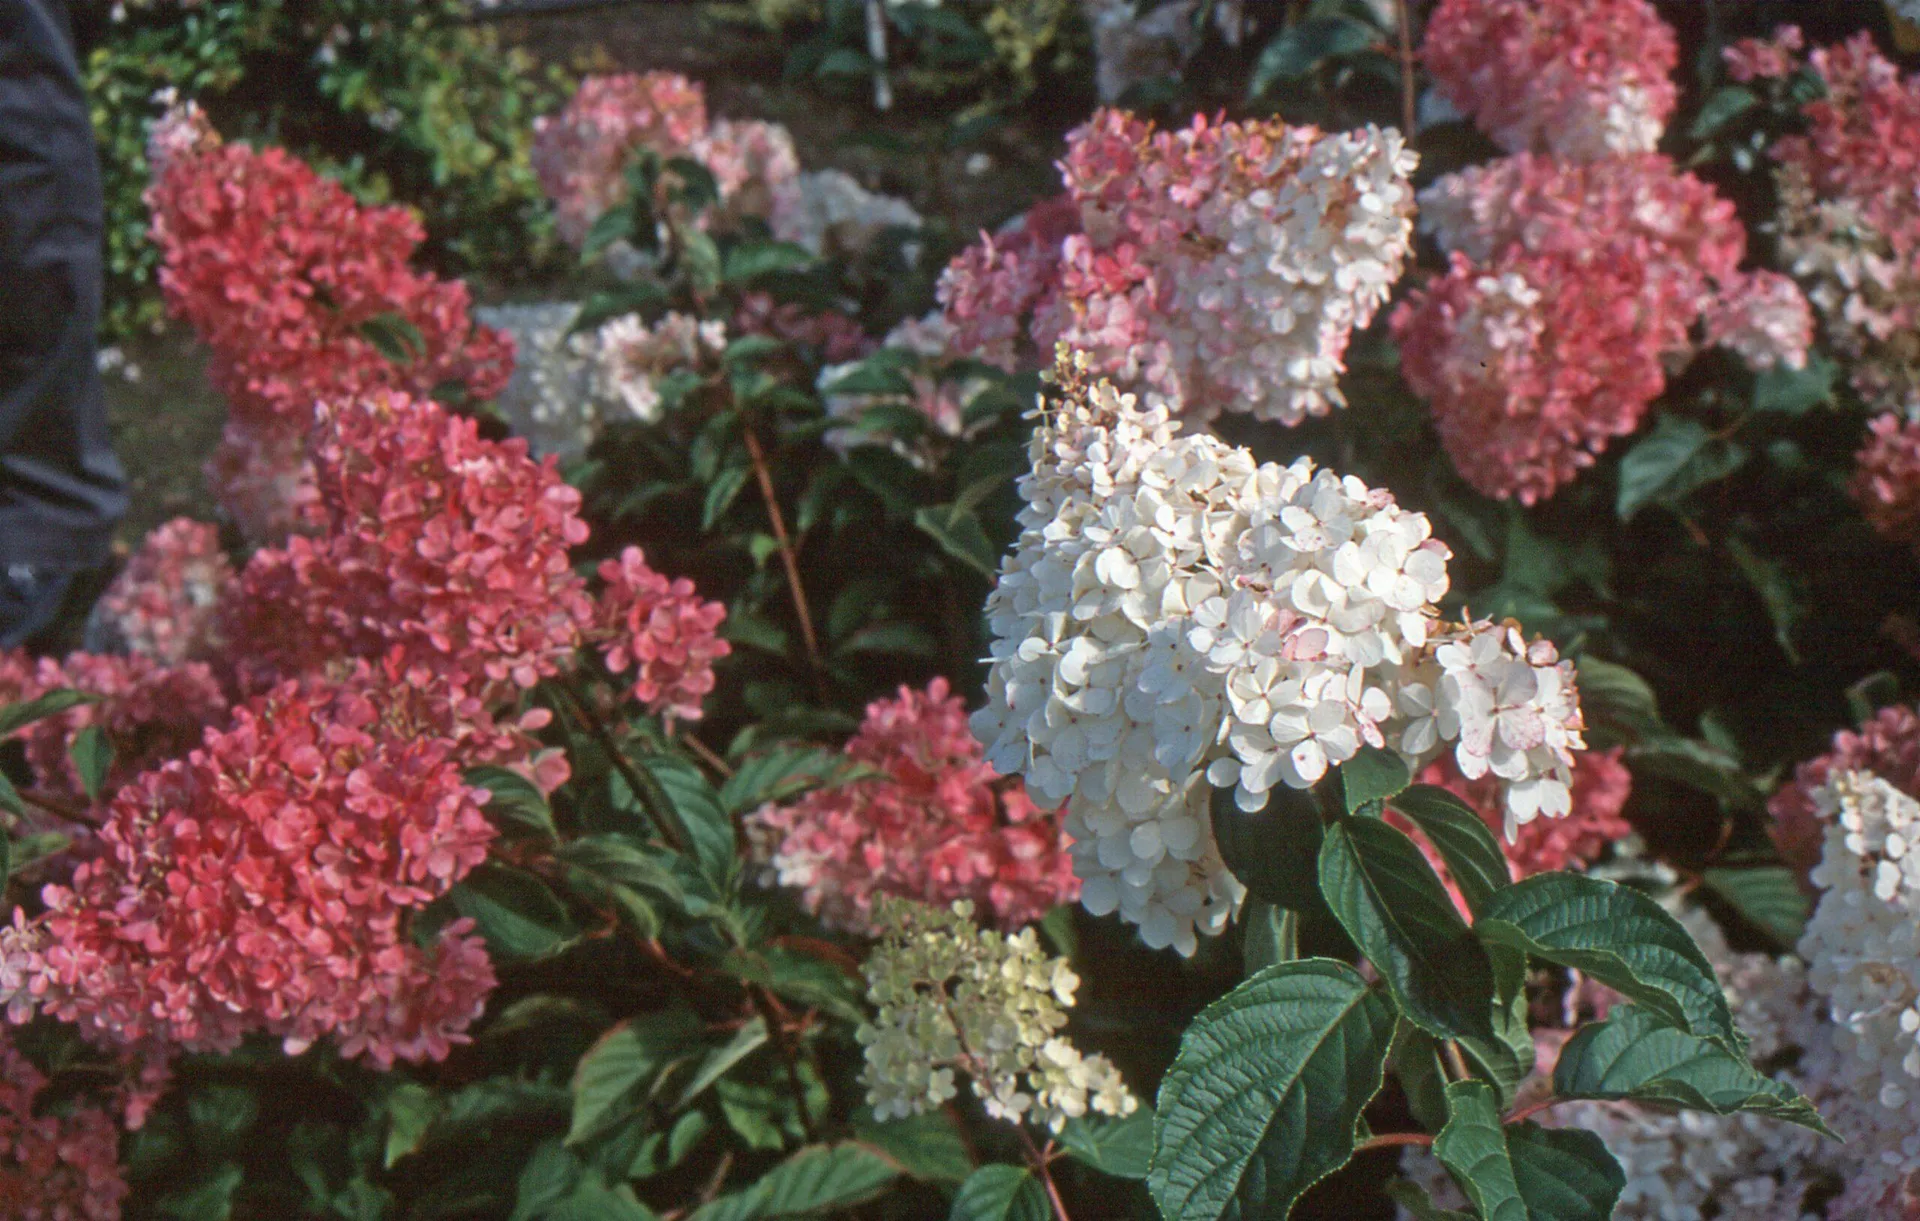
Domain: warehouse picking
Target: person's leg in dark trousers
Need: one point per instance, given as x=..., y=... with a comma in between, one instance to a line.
x=61, y=489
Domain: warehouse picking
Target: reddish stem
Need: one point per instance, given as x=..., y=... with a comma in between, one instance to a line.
x=787, y=558
x=1394, y=1139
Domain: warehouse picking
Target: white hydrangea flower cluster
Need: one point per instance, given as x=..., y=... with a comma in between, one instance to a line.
x=830, y=214
x=1764, y=319
x=1862, y=943
x=952, y=998
x=1289, y=271
x=553, y=399
x=1176, y=617
x=633, y=357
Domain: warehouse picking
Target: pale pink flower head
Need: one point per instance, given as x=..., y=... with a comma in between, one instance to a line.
x=754, y=165
x=425, y=538
x=1584, y=79
x=581, y=154
x=163, y=603
x=936, y=824
x=266, y=882
x=1764, y=318
x=663, y=631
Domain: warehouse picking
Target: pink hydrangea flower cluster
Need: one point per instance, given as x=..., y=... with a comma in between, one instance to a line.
x=148, y=711
x=582, y=154
x=1583, y=79
x=937, y=824
x=1754, y=59
x=266, y=881
x=1886, y=478
x=61, y=1164
x=664, y=631
x=1224, y=265
x=1887, y=745
x=1850, y=219
x=1601, y=786
x=1762, y=317
x=1569, y=287
x=163, y=604
x=281, y=273
x=426, y=539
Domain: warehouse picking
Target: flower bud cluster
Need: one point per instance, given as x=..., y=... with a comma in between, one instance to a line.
x=1176, y=617
x=1224, y=265
x=931, y=821
x=1583, y=79
x=953, y=998
x=163, y=604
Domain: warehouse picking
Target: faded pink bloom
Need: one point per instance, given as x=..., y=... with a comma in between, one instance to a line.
x=163, y=603
x=1752, y=59
x=1584, y=79
x=582, y=153
x=1764, y=318
x=937, y=824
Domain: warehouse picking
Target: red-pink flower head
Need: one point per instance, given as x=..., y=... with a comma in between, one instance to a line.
x=581, y=154
x=1888, y=745
x=1751, y=59
x=664, y=631
x=163, y=603
x=267, y=881
x=938, y=824
x=282, y=273
x=1584, y=79
x=1601, y=786
x=1886, y=478
x=428, y=539
x=1569, y=288
x=60, y=1163
x=148, y=711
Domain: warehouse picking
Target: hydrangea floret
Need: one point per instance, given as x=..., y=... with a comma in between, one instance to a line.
x=955, y=999
x=1176, y=618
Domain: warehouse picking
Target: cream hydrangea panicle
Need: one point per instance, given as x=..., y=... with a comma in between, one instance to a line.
x=1176, y=618
x=634, y=356
x=953, y=998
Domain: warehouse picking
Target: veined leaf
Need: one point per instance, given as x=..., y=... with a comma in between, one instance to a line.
x=1119, y=1147
x=1372, y=775
x=1461, y=837
x=1264, y=1099
x=1565, y=1174
x=1393, y=906
x=816, y=1180
x=1001, y=1193
x=1768, y=895
x=1473, y=1148
x=1274, y=850
x=613, y=1074
x=18, y=716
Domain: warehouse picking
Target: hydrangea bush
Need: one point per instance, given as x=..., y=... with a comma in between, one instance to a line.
x=1357, y=661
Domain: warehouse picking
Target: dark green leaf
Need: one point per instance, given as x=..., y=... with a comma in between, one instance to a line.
x=395, y=337
x=750, y=348
x=10, y=798
x=702, y=816
x=927, y=1146
x=612, y=1076
x=1565, y=1174
x=1656, y=459
x=53, y=703
x=898, y=637
x=613, y=225
x=1416, y=1058
x=621, y=862
x=1621, y=938
x=1722, y=107
x=593, y=1200
x=816, y=1180
x=1393, y=906
x=960, y=535
x=722, y=492
x=1777, y=591
x=516, y=913
x=549, y=1177
x=1409, y=1196
x=1119, y=1147
x=1264, y=1098
x=604, y=307
x=780, y=774
x=750, y=260
x=1461, y=837
x=1767, y=895
x=1795, y=391
x=1614, y=698
x=514, y=805
x=1296, y=51
x=1273, y=935
x=1275, y=850
x=1473, y=1148
x=92, y=756
x=745, y=1041
x=410, y=1111
x=813, y=982
x=1636, y=1055
x=1700, y=766
x=1001, y=1193
x=1372, y=775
